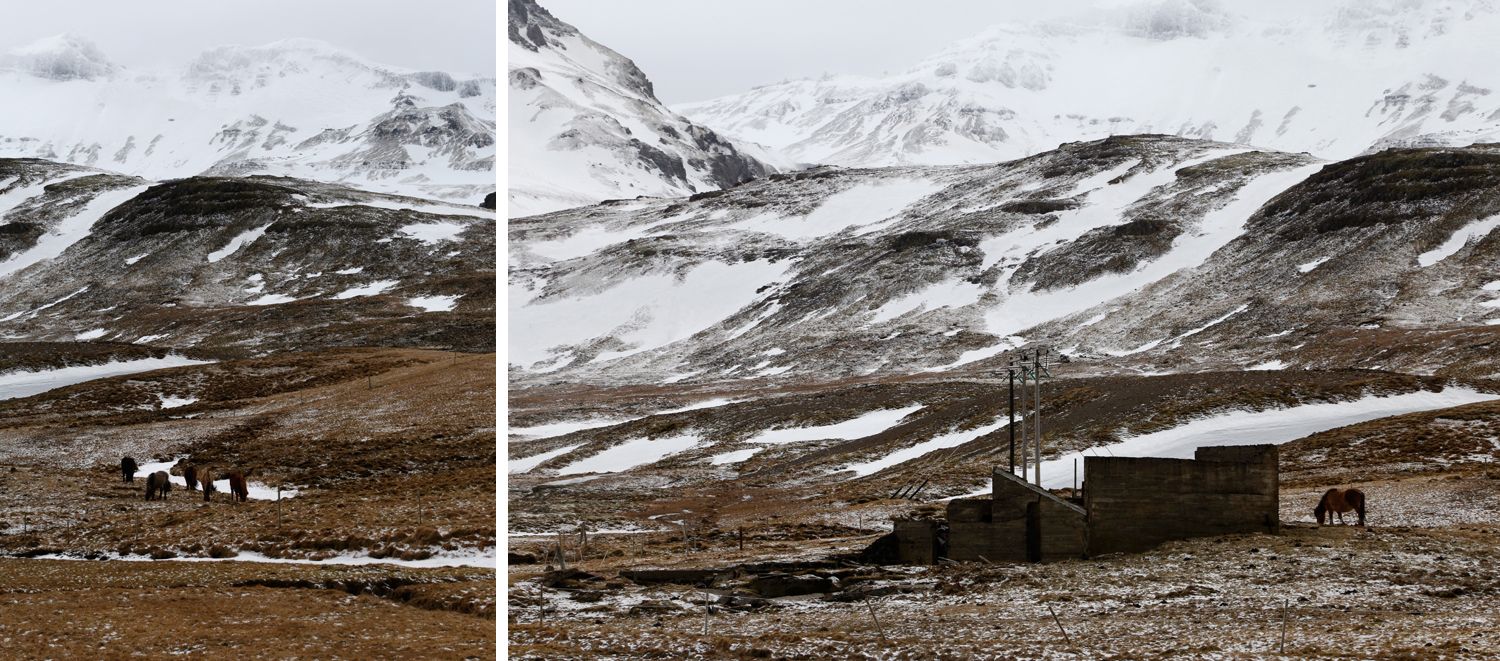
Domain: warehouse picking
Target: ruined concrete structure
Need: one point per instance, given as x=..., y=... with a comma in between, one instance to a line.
x=1128, y=505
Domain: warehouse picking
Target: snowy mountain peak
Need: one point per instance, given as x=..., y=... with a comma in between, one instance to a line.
x=588, y=126
x=68, y=56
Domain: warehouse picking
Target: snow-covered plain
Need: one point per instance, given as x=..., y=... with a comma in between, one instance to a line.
x=27, y=383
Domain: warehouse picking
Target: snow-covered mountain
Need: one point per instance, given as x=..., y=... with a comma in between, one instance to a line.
x=1148, y=253
x=1368, y=75
x=585, y=126
x=297, y=108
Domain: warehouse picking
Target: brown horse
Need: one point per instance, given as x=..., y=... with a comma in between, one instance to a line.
x=1340, y=501
x=158, y=485
x=208, y=486
x=128, y=468
x=190, y=475
x=237, y=488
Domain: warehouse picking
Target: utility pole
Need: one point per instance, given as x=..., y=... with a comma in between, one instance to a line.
x=1012, y=379
x=1029, y=365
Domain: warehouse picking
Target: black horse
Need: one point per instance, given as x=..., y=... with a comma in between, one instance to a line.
x=128, y=467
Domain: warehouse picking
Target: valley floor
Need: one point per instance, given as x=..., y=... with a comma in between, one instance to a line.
x=382, y=545
x=1387, y=591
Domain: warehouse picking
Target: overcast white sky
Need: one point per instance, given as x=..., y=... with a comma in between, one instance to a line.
x=457, y=36
x=694, y=50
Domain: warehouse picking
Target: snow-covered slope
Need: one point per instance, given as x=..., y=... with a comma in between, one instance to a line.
x=248, y=264
x=296, y=108
x=1365, y=76
x=585, y=126
x=1141, y=252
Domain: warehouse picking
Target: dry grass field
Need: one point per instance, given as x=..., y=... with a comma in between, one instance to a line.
x=1419, y=581
x=386, y=455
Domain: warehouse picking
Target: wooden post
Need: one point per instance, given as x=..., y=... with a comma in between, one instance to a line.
x=419, y=508
x=1283, y=627
x=369, y=383
x=278, y=506
x=705, y=611
x=877, y=623
x=685, y=548
x=1059, y=624
x=562, y=556
x=742, y=538
x=583, y=544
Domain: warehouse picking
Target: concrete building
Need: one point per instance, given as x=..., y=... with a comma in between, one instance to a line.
x=1128, y=505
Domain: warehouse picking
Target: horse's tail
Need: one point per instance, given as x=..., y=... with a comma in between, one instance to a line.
x=1359, y=503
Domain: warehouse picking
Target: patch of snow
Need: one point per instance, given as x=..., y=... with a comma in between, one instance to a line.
x=1458, y=241
x=1268, y=365
x=1254, y=427
x=413, y=205
x=868, y=424
x=1311, y=265
x=432, y=233
x=528, y=463
x=954, y=294
x=352, y=271
x=243, y=239
x=69, y=231
x=26, y=383
x=253, y=490
x=632, y=453
x=733, y=457
x=1492, y=286
x=433, y=303
x=271, y=299
x=132, y=260
x=372, y=289
x=174, y=402
x=644, y=313
x=90, y=335
x=942, y=442
x=447, y=559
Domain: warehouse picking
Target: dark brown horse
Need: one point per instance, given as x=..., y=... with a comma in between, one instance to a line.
x=128, y=468
x=208, y=485
x=158, y=485
x=190, y=475
x=237, y=488
x=1341, y=501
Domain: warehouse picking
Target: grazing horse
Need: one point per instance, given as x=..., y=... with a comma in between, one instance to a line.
x=208, y=486
x=128, y=468
x=237, y=488
x=158, y=484
x=190, y=475
x=1340, y=501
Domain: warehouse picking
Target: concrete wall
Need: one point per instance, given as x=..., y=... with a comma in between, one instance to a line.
x=1135, y=504
x=1019, y=523
x=916, y=541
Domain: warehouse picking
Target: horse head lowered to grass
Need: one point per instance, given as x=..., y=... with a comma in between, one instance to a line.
x=1340, y=501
